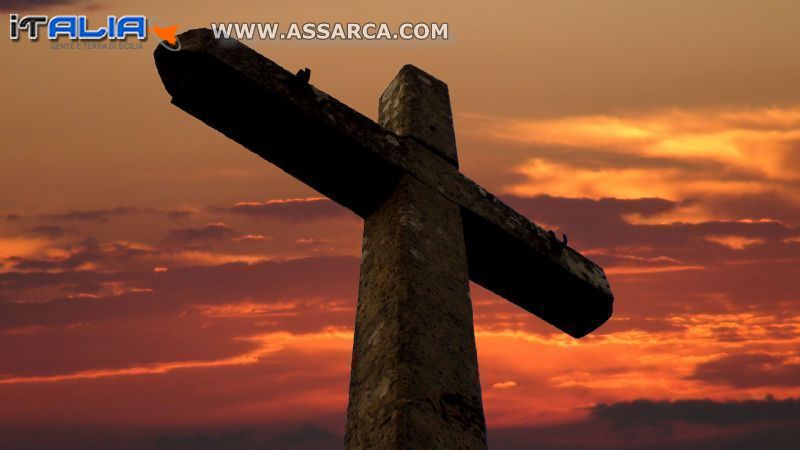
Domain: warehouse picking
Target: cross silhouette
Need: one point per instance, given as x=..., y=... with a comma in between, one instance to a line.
x=428, y=230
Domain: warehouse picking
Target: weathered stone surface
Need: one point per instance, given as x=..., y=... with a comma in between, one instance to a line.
x=356, y=162
x=417, y=104
x=414, y=380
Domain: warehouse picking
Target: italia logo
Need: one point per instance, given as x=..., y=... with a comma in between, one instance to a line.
x=77, y=27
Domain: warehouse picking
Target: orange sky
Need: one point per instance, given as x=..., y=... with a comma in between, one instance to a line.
x=162, y=287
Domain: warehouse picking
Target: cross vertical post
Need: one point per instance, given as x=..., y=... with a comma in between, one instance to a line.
x=414, y=378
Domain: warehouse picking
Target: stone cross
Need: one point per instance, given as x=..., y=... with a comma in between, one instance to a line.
x=428, y=230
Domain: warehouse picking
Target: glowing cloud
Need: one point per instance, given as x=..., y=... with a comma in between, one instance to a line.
x=713, y=151
x=735, y=242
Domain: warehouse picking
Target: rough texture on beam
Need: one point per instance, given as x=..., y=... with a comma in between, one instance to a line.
x=356, y=162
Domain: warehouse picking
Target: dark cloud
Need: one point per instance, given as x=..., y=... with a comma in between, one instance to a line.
x=749, y=370
x=48, y=231
x=292, y=210
x=307, y=278
x=94, y=215
x=246, y=437
x=182, y=314
x=211, y=232
x=104, y=215
x=309, y=436
x=684, y=424
x=305, y=437
x=757, y=206
x=646, y=412
x=596, y=220
x=199, y=441
x=583, y=209
x=602, y=223
x=760, y=287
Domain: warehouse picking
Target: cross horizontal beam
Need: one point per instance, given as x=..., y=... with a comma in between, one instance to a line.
x=357, y=163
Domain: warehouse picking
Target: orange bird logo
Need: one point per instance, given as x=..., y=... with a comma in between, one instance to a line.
x=166, y=33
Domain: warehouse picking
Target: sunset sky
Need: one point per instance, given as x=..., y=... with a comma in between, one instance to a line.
x=161, y=287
